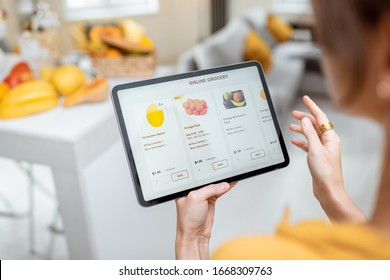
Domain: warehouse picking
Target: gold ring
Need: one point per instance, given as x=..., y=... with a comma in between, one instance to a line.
x=325, y=127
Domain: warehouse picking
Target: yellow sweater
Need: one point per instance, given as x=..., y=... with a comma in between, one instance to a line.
x=310, y=240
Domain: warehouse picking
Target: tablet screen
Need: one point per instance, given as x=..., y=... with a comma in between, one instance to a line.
x=198, y=128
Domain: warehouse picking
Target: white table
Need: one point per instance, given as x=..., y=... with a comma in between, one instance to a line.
x=68, y=140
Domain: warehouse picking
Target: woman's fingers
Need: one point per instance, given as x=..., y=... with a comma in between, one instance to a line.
x=300, y=144
x=318, y=114
x=311, y=135
x=315, y=118
x=299, y=115
x=296, y=128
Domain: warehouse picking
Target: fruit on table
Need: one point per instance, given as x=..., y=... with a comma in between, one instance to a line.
x=98, y=31
x=46, y=73
x=77, y=32
x=28, y=98
x=21, y=67
x=147, y=42
x=126, y=46
x=154, y=116
x=113, y=53
x=96, y=46
x=67, y=79
x=20, y=72
x=94, y=91
x=3, y=90
x=195, y=107
x=132, y=31
x=12, y=80
x=96, y=49
x=124, y=38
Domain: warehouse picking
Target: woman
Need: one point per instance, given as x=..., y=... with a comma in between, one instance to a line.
x=355, y=35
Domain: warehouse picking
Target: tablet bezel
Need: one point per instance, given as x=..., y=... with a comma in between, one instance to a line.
x=126, y=142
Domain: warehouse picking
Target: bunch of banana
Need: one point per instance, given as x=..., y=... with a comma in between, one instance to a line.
x=28, y=98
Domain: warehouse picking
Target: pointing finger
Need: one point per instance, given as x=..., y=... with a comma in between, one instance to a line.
x=320, y=116
x=311, y=135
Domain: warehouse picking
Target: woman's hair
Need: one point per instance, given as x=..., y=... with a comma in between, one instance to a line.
x=341, y=28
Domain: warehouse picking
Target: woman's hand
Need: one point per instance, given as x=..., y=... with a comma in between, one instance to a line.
x=324, y=160
x=195, y=217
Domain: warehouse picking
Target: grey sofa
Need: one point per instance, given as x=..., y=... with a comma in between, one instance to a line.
x=226, y=47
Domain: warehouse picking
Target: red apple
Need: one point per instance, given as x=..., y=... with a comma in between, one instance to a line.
x=12, y=80
x=21, y=72
x=21, y=67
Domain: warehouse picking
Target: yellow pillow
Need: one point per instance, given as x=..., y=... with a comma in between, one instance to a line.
x=279, y=29
x=256, y=48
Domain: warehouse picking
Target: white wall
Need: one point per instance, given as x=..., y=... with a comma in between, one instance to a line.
x=175, y=28
x=237, y=7
x=178, y=26
x=12, y=21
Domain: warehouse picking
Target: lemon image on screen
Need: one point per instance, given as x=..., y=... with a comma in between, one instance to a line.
x=155, y=116
x=262, y=94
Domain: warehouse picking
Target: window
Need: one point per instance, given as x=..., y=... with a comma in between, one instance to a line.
x=292, y=6
x=100, y=9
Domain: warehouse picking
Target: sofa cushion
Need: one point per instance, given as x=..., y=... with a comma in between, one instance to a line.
x=280, y=30
x=224, y=47
x=285, y=77
x=186, y=62
x=256, y=48
x=257, y=18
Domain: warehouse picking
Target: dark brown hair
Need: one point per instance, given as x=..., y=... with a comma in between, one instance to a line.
x=341, y=26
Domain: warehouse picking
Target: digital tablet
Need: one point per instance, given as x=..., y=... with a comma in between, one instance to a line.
x=189, y=130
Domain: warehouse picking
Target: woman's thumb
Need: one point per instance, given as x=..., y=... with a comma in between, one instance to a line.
x=214, y=190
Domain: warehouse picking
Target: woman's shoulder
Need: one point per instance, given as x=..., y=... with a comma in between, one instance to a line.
x=311, y=239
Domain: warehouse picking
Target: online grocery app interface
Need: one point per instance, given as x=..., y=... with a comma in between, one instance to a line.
x=199, y=130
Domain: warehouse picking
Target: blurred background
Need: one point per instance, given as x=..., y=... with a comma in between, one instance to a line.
x=65, y=188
